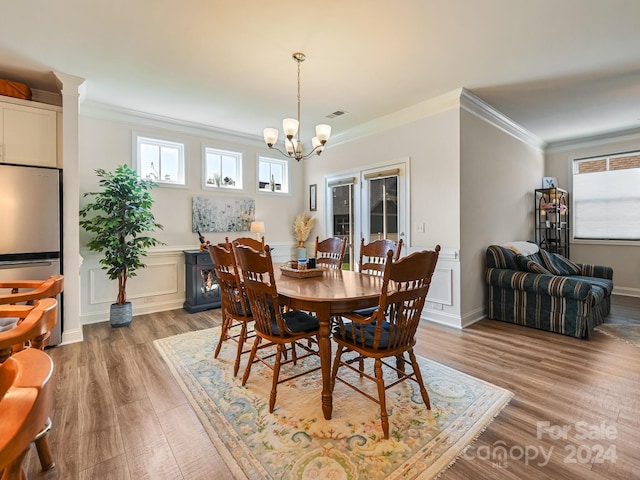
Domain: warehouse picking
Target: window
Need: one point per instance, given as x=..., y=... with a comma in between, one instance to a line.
x=160, y=160
x=606, y=197
x=273, y=175
x=222, y=169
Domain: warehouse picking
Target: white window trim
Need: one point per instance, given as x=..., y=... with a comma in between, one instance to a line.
x=287, y=165
x=239, y=170
x=161, y=138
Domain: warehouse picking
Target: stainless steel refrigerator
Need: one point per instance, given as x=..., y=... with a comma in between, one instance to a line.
x=30, y=236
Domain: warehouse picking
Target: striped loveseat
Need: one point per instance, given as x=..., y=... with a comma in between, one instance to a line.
x=547, y=291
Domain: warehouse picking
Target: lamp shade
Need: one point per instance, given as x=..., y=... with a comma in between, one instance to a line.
x=323, y=132
x=270, y=136
x=257, y=227
x=290, y=127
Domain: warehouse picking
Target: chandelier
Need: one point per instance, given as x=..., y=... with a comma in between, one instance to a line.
x=291, y=127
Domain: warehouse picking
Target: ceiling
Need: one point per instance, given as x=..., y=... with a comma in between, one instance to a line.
x=562, y=69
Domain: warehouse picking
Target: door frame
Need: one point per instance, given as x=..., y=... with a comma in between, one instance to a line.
x=403, y=165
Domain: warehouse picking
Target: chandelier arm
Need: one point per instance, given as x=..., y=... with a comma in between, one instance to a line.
x=287, y=154
x=312, y=152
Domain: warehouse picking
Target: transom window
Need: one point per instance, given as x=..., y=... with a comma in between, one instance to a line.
x=222, y=169
x=606, y=197
x=160, y=160
x=273, y=175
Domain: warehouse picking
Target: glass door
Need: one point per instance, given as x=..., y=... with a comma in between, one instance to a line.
x=342, y=216
x=384, y=207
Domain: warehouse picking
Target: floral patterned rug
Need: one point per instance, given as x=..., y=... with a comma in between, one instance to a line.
x=296, y=442
x=628, y=333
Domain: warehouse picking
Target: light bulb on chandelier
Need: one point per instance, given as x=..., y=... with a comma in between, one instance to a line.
x=291, y=127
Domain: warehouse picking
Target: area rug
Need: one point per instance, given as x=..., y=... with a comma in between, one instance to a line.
x=296, y=442
x=625, y=332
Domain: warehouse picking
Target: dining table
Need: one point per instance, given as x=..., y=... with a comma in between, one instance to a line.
x=332, y=293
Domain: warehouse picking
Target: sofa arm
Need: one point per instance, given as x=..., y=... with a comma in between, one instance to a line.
x=597, y=271
x=543, y=284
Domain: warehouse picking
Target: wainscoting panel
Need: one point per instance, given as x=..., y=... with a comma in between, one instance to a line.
x=441, y=287
x=154, y=280
x=159, y=286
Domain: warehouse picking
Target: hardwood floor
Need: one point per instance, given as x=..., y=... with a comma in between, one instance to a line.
x=118, y=414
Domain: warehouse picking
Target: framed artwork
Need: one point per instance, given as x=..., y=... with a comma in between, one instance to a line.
x=217, y=214
x=549, y=182
x=313, y=197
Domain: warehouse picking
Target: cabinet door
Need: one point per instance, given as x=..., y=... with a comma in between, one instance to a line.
x=29, y=136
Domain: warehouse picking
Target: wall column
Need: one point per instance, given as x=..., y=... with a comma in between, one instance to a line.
x=71, y=91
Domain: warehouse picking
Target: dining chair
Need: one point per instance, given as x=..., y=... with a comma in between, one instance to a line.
x=34, y=322
x=250, y=242
x=373, y=255
x=390, y=331
x=330, y=252
x=271, y=324
x=235, y=305
x=26, y=292
x=26, y=394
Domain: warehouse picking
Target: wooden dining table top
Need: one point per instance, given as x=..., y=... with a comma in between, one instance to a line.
x=333, y=286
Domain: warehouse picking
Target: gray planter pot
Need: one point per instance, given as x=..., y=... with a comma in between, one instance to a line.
x=121, y=315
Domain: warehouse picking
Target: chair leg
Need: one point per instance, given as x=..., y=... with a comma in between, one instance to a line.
x=361, y=365
x=252, y=357
x=336, y=366
x=400, y=364
x=42, y=446
x=418, y=374
x=276, y=375
x=223, y=334
x=241, y=340
x=294, y=354
x=384, y=418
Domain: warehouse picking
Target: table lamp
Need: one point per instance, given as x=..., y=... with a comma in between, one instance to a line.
x=257, y=228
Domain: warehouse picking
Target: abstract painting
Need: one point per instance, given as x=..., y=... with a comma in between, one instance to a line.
x=215, y=214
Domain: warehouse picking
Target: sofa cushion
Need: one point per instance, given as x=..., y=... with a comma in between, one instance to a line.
x=559, y=265
x=501, y=257
x=605, y=284
x=527, y=264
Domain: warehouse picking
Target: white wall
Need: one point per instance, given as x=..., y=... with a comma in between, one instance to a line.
x=498, y=174
x=623, y=258
x=431, y=143
x=105, y=141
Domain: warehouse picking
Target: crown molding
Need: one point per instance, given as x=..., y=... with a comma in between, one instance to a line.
x=483, y=110
x=402, y=117
x=105, y=111
x=618, y=136
x=50, y=98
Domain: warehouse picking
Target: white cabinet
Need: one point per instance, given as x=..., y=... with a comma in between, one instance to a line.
x=28, y=134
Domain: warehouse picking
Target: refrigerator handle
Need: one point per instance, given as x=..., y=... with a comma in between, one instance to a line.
x=24, y=264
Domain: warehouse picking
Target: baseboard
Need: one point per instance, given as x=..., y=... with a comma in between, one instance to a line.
x=626, y=291
x=103, y=315
x=441, y=318
x=72, y=336
x=474, y=316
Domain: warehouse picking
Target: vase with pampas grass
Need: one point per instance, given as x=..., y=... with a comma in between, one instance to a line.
x=302, y=226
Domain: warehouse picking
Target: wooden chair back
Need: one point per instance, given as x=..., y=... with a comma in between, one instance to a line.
x=231, y=288
x=330, y=252
x=250, y=242
x=260, y=287
x=404, y=290
x=26, y=394
x=373, y=256
x=32, y=328
x=30, y=290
